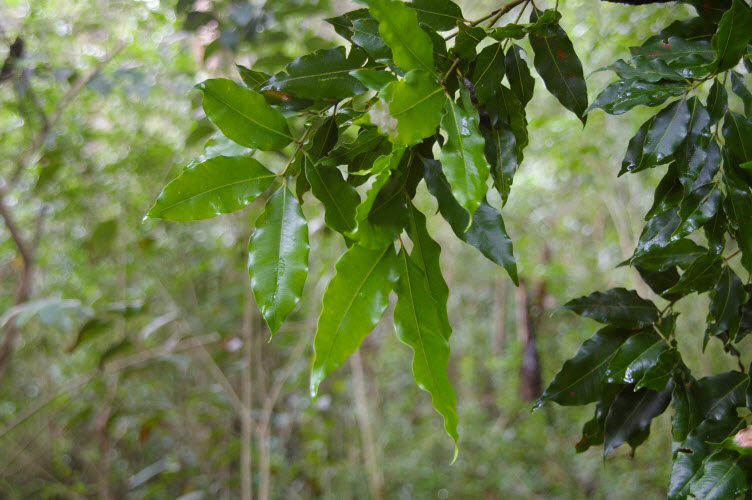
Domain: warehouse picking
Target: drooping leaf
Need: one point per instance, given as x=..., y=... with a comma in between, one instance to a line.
x=658, y=375
x=340, y=199
x=486, y=232
x=462, y=156
x=738, y=208
x=559, y=67
x=518, y=74
x=244, y=116
x=414, y=108
x=425, y=254
x=353, y=304
x=726, y=301
x=630, y=415
x=721, y=394
x=740, y=89
x=505, y=110
x=488, y=72
x=278, y=257
x=398, y=26
x=734, y=33
x=668, y=193
x=638, y=354
x=622, y=96
x=501, y=155
x=441, y=15
x=219, y=185
x=681, y=252
x=717, y=102
x=700, y=276
x=737, y=131
x=419, y=325
x=618, y=307
x=324, y=74
x=658, y=232
x=686, y=401
x=658, y=138
x=594, y=429
x=579, y=380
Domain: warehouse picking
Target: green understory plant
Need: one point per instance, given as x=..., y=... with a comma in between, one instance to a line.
x=424, y=95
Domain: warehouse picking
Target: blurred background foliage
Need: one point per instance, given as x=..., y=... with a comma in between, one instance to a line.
x=140, y=367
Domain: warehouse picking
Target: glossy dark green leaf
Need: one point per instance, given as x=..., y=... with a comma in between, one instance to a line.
x=441, y=58
x=726, y=301
x=343, y=24
x=737, y=131
x=415, y=106
x=468, y=37
x=505, y=110
x=618, y=306
x=462, y=156
x=579, y=380
x=353, y=304
x=745, y=325
x=559, y=67
x=681, y=252
x=631, y=414
x=368, y=141
x=244, y=116
x=668, y=193
x=695, y=452
x=489, y=71
x=501, y=155
x=645, y=68
x=722, y=393
x=365, y=34
x=622, y=96
x=698, y=208
x=717, y=102
x=638, y=354
x=278, y=257
x=734, y=32
x=324, y=74
x=324, y=139
x=419, y=325
x=487, y=232
x=658, y=375
x=441, y=15
x=723, y=477
x=593, y=430
x=658, y=138
x=739, y=87
x=699, y=277
x=518, y=74
x=698, y=157
x=219, y=185
x=658, y=233
x=660, y=281
x=686, y=403
x=398, y=26
x=738, y=207
x=339, y=198
x=508, y=31
x=688, y=56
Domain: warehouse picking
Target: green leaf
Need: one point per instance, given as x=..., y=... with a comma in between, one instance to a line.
x=739, y=443
x=253, y=79
x=559, y=67
x=698, y=156
x=365, y=34
x=468, y=37
x=324, y=74
x=579, y=380
x=695, y=452
x=244, y=116
x=518, y=74
x=668, y=193
x=511, y=30
x=353, y=304
x=698, y=207
x=686, y=402
x=593, y=430
x=722, y=393
x=340, y=199
x=631, y=414
x=622, y=96
x=658, y=232
x=681, y=252
x=717, y=102
x=369, y=143
x=740, y=89
x=374, y=79
x=441, y=15
x=415, y=105
x=489, y=71
x=737, y=131
x=425, y=254
x=419, y=325
x=660, y=281
x=647, y=69
x=689, y=56
x=618, y=307
x=462, y=156
x=723, y=477
x=505, y=110
x=658, y=375
x=699, y=277
x=487, y=232
x=278, y=257
x=734, y=32
x=738, y=207
x=501, y=155
x=398, y=25
x=93, y=327
x=658, y=138
x=638, y=354
x=726, y=300
x=219, y=185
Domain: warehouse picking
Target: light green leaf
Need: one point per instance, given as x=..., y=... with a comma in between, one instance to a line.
x=441, y=15
x=244, y=116
x=353, y=304
x=340, y=199
x=398, y=25
x=462, y=156
x=418, y=324
x=415, y=103
x=216, y=186
x=278, y=257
